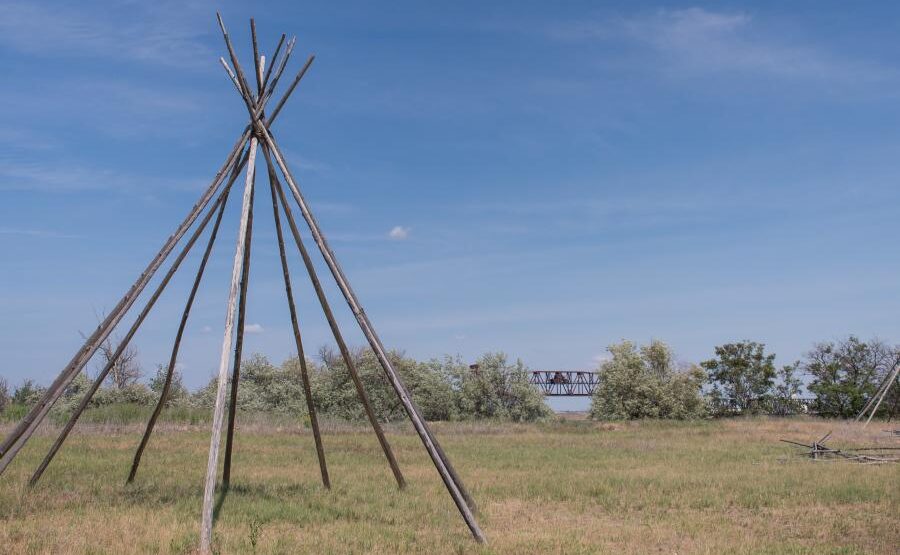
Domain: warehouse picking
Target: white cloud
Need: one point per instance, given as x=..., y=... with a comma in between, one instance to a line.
x=37, y=233
x=253, y=328
x=60, y=176
x=399, y=233
x=161, y=33
x=699, y=40
x=206, y=329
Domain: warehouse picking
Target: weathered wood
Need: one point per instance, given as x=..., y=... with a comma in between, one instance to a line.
x=238, y=346
x=242, y=306
x=173, y=358
x=887, y=387
x=336, y=332
x=273, y=61
x=25, y=428
x=220, y=203
x=292, y=86
x=256, y=58
x=453, y=484
x=241, y=78
x=301, y=355
x=212, y=464
x=428, y=439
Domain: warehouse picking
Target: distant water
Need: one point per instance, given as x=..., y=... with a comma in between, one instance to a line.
x=569, y=404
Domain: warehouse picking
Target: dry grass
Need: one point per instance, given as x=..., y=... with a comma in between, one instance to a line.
x=567, y=487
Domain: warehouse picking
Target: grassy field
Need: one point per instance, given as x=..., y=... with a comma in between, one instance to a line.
x=564, y=487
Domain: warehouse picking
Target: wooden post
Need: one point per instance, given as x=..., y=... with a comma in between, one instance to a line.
x=220, y=202
x=25, y=428
x=238, y=346
x=336, y=332
x=304, y=373
x=272, y=61
x=453, y=484
x=428, y=438
x=256, y=59
x=212, y=464
x=887, y=387
x=173, y=358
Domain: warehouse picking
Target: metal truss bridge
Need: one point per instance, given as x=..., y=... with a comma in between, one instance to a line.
x=564, y=383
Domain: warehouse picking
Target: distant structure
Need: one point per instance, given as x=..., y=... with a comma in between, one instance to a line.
x=257, y=135
x=892, y=379
x=565, y=383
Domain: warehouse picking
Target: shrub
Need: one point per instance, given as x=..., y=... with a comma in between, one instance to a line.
x=4, y=394
x=496, y=388
x=178, y=394
x=263, y=388
x=28, y=393
x=336, y=394
x=644, y=383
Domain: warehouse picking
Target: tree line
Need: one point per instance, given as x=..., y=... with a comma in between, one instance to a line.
x=633, y=382
x=742, y=378
x=444, y=389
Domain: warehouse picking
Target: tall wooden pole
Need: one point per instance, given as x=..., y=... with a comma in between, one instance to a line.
x=25, y=428
x=887, y=387
x=273, y=61
x=238, y=347
x=301, y=355
x=173, y=358
x=336, y=332
x=452, y=482
x=209, y=489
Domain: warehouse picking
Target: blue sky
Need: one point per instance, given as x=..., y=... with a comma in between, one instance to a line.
x=562, y=176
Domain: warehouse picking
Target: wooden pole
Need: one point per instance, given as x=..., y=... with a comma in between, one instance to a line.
x=238, y=346
x=272, y=61
x=220, y=203
x=884, y=383
x=368, y=330
x=336, y=332
x=453, y=484
x=256, y=59
x=242, y=303
x=304, y=373
x=887, y=387
x=25, y=428
x=173, y=358
x=212, y=463
x=291, y=88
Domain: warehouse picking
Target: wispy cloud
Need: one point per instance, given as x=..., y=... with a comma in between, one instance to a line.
x=158, y=32
x=45, y=233
x=399, y=233
x=68, y=177
x=253, y=328
x=700, y=40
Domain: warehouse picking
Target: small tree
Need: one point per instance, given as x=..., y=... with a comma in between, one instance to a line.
x=847, y=373
x=177, y=391
x=125, y=369
x=645, y=383
x=788, y=383
x=744, y=372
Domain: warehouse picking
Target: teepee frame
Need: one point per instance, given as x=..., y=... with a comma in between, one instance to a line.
x=243, y=156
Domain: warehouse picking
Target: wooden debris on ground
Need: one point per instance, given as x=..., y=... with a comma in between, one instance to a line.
x=818, y=451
